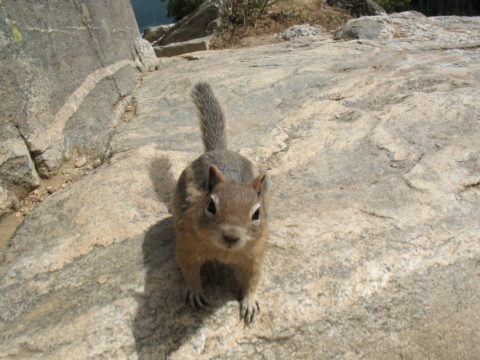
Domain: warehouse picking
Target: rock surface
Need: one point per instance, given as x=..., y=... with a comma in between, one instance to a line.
x=374, y=156
x=411, y=25
x=65, y=66
x=184, y=47
x=147, y=60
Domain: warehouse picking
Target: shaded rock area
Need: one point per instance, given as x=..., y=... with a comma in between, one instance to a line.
x=373, y=157
x=359, y=7
x=201, y=23
x=18, y=175
x=190, y=34
x=154, y=33
x=66, y=66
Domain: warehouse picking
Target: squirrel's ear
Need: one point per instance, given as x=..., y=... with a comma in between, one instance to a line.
x=258, y=182
x=215, y=176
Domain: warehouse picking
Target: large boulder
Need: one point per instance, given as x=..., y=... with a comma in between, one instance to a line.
x=65, y=66
x=373, y=156
x=407, y=25
x=201, y=23
x=368, y=27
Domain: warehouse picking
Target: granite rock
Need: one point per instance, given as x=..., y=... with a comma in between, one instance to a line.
x=65, y=66
x=147, y=60
x=373, y=155
x=303, y=32
x=183, y=47
x=202, y=22
x=365, y=28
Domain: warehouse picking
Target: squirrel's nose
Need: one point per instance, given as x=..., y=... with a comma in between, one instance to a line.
x=230, y=240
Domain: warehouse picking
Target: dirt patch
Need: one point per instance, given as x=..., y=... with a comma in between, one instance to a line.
x=70, y=172
x=8, y=224
x=130, y=110
x=281, y=15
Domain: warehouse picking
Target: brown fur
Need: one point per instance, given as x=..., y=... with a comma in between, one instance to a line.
x=215, y=205
x=195, y=246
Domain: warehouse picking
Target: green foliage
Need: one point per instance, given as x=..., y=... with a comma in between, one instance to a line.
x=393, y=5
x=447, y=7
x=433, y=7
x=181, y=8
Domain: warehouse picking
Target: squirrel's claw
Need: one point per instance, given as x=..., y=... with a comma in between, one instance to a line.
x=248, y=309
x=197, y=300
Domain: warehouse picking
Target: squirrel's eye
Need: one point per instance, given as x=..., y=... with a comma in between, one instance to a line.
x=211, y=208
x=256, y=215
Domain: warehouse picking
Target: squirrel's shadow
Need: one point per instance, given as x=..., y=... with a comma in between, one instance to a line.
x=163, y=321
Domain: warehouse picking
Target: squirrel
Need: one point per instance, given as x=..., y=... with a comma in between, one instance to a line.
x=220, y=210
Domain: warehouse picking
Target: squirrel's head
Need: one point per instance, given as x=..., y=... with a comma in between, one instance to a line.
x=232, y=212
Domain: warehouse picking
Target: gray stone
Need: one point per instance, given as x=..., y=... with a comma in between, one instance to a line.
x=373, y=157
x=303, y=32
x=60, y=63
x=363, y=28
x=201, y=23
x=147, y=59
x=183, y=47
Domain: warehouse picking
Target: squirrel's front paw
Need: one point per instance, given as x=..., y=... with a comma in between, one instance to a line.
x=197, y=299
x=248, y=309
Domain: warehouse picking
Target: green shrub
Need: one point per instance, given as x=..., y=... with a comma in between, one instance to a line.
x=393, y=5
x=244, y=12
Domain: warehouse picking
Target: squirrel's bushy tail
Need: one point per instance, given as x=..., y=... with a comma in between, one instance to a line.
x=210, y=114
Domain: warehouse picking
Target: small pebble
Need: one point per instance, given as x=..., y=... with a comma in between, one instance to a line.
x=80, y=162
